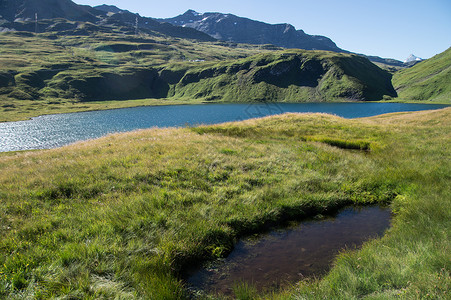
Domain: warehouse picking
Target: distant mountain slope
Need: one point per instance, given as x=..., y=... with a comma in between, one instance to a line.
x=427, y=80
x=232, y=28
x=109, y=8
x=128, y=19
x=236, y=29
x=69, y=18
x=20, y=10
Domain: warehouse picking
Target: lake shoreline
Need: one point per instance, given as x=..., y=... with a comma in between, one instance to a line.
x=52, y=131
x=10, y=114
x=131, y=211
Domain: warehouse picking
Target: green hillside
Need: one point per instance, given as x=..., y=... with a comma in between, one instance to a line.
x=102, y=66
x=290, y=75
x=428, y=80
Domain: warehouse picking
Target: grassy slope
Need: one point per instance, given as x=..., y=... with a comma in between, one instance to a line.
x=33, y=67
x=45, y=73
x=428, y=80
x=123, y=215
x=290, y=75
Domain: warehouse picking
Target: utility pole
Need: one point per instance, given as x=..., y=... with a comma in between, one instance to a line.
x=136, y=26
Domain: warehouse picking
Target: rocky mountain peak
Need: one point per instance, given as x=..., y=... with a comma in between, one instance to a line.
x=109, y=8
x=412, y=58
x=191, y=12
x=232, y=28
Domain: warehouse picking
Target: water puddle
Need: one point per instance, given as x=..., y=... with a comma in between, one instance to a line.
x=285, y=256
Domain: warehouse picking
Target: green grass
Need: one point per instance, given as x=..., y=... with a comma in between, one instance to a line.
x=123, y=216
x=428, y=80
x=35, y=70
x=45, y=73
x=17, y=110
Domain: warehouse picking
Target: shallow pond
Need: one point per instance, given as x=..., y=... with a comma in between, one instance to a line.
x=57, y=130
x=288, y=255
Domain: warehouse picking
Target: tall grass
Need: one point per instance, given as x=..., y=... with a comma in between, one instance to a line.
x=125, y=215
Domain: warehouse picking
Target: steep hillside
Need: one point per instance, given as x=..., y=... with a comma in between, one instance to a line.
x=427, y=80
x=20, y=10
x=291, y=75
x=294, y=76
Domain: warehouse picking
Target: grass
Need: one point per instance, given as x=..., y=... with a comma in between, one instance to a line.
x=428, y=80
x=45, y=73
x=17, y=110
x=125, y=215
x=35, y=70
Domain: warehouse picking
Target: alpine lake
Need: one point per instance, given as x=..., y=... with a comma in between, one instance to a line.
x=51, y=131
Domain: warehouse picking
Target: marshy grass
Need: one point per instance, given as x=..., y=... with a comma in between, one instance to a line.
x=125, y=215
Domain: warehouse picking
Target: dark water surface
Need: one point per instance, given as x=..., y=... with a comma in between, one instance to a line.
x=286, y=256
x=53, y=131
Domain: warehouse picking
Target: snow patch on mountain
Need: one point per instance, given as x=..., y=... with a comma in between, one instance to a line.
x=412, y=58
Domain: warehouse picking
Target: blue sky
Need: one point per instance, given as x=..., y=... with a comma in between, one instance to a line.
x=386, y=28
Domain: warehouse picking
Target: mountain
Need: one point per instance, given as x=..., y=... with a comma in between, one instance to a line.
x=26, y=10
x=113, y=67
x=412, y=58
x=115, y=63
x=109, y=9
x=428, y=80
x=228, y=27
x=68, y=18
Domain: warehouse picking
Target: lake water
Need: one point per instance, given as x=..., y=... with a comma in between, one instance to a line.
x=285, y=256
x=53, y=131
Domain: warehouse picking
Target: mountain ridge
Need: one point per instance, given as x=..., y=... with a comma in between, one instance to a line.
x=229, y=27
x=21, y=15
x=26, y=10
x=67, y=17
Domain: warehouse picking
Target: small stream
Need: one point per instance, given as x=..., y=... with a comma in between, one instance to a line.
x=285, y=256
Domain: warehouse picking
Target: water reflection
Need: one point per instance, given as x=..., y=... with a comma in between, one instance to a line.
x=288, y=255
x=57, y=130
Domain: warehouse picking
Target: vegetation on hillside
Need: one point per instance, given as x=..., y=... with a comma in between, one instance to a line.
x=123, y=216
x=33, y=68
x=428, y=80
x=67, y=70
